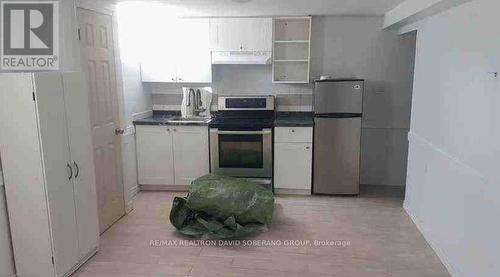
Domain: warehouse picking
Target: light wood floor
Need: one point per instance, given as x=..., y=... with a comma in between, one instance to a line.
x=383, y=242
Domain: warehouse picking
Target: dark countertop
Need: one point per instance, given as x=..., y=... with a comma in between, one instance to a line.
x=162, y=118
x=294, y=119
x=283, y=119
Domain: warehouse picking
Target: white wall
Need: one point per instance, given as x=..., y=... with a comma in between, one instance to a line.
x=453, y=186
x=342, y=46
x=6, y=258
x=356, y=46
x=137, y=102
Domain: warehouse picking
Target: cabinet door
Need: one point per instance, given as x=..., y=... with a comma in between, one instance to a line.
x=155, y=160
x=258, y=34
x=226, y=34
x=58, y=171
x=76, y=98
x=159, y=55
x=191, y=158
x=241, y=34
x=24, y=179
x=194, y=62
x=293, y=165
x=160, y=68
x=7, y=261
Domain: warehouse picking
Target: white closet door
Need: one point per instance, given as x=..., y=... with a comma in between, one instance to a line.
x=76, y=96
x=23, y=176
x=58, y=171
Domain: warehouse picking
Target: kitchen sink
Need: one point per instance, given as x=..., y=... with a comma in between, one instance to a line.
x=188, y=120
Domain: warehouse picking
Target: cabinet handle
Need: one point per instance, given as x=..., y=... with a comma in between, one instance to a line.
x=168, y=130
x=70, y=171
x=180, y=79
x=119, y=131
x=77, y=169
x=307, y=147
x=175, y=130
x=173, y=79
x=293, y=131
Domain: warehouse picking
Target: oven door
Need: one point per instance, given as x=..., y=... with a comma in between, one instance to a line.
x=241, y=153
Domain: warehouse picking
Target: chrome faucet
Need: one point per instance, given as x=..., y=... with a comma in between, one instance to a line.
x=198, y=105
x=195, y=104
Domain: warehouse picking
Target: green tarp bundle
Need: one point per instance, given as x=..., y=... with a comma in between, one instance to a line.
x=222, y=207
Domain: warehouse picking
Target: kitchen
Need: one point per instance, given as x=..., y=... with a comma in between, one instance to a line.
x=314, y=101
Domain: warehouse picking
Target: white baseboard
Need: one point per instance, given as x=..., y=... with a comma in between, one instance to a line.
x=134, y=191
x=292, y=191
x=433, y=243
x=81, y=262
x=164, y=188
x=130, y=204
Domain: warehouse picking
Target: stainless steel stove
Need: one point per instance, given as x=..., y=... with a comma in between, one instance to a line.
x=241, y=138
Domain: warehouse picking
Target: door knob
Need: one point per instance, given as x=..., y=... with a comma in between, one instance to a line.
x=119, y=131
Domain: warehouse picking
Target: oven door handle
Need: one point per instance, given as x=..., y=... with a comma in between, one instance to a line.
x=263, y=132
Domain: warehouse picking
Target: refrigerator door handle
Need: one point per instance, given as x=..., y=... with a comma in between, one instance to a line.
x=338, y=115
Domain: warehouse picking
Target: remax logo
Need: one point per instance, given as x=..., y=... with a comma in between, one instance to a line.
x=30, y=32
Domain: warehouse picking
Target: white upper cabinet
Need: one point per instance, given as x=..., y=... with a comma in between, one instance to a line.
x=241, y=34
x=182, y=58
x=292, y=48
x=160, y=69
x=195, y=63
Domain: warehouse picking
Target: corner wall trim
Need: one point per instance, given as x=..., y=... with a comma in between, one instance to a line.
x=433, y=244
x=141, y=115
x=411, y=11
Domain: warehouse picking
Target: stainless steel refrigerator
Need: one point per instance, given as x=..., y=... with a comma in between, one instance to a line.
x=338, y=110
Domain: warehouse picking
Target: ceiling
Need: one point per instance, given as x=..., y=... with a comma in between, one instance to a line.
x=276, y=7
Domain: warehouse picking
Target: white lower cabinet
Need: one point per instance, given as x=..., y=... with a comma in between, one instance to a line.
x=293, y=160
x=171, y=156
x=155, y=162
x=191, y=158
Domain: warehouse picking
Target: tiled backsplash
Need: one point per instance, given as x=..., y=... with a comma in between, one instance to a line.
x=284, y=102
x=238, y=80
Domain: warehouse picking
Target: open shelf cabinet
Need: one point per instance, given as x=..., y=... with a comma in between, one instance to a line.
x=291, y=49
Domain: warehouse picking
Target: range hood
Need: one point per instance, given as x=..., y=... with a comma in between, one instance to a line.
x=241, y=57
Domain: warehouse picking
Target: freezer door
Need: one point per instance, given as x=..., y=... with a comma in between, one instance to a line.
x=336, y=155
x=338, y=97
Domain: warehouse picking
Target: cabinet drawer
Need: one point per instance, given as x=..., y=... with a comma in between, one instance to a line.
x=293, y=134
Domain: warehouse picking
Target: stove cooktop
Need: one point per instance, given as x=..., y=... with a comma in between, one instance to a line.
x=241, y=123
